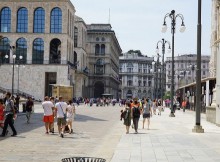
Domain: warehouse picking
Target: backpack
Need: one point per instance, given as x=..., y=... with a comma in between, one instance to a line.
x=136, y=112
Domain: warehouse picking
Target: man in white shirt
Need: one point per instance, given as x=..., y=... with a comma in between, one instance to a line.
x=48, y=113
x=61, y=109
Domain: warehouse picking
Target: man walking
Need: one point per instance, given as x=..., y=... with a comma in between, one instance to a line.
x=9, y=115
x=61, y=109
x=29, y=107
x=48, y=113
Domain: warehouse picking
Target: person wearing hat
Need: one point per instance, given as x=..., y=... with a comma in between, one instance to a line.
x=9, y=115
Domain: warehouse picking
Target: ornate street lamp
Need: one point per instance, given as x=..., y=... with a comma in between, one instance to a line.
x=163, y=42
x=198, y=128
x=173, y=18
x=18, y=66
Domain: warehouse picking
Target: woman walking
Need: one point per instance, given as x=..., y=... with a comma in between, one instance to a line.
x=70, y=115
x=147, y=113
x=127, y=116
x=154, y=106
x=136, y=111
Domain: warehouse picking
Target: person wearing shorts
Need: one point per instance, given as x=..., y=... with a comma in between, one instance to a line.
x=61, y=109
x=48, y=113
x=147, y=112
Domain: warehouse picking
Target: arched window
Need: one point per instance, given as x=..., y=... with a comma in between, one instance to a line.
x=144, y=83
x=75, y=36
x=56, y=20
x=102, y=49
x=22, y=20
x=4, y=50
x=75, y=60
x=39, y=20
x=97, y=49
x=5, y=20
x=149, y=83
x=144, y=91
x=130, y=83
x=21, y=50
x=99, y=66
x=130, y=67
x=139, y=83
x=139, y=91
x=38, y=51
x=55, y=51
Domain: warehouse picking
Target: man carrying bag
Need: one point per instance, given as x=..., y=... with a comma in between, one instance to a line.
x=9, y=115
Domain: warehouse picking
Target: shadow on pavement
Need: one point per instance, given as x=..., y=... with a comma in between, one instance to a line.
x=84, y=118
x=22, y=126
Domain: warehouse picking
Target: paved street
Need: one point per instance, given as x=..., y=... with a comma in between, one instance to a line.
x=98, y=132
x=171, y=140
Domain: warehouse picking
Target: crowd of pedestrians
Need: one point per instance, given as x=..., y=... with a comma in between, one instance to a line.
x=54, y=109
x=134, y=109
x=64, y=112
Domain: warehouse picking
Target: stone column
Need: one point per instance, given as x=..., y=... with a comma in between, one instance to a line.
x=207, y=93
x=217, y=89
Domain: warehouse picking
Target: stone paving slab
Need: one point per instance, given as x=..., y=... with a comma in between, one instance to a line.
x=170, y=140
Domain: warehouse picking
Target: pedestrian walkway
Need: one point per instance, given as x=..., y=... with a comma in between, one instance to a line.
x=170, y=139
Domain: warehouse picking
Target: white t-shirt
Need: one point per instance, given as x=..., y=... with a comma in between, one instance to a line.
x=47, y=106
x=70, y=111
x=60, y=112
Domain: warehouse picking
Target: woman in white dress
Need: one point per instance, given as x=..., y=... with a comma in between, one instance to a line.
x=70, y=115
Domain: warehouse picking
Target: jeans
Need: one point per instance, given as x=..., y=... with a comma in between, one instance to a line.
x=28, y=115
x=135, y=122
x=9, y=121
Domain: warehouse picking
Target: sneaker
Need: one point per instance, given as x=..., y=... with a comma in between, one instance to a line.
x=61, y=135
x=13, y=135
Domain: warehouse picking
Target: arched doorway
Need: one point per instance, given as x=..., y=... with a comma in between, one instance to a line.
x=99, y=89
x=129, y=94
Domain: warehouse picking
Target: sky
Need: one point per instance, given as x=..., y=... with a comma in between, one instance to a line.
x=137, y=23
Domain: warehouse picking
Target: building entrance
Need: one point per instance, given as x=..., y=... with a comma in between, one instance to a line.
x=98, y=90
x=50, y=78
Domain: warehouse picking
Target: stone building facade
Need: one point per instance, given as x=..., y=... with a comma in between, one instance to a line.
x=103, y=52
x=185, y=70
x=136, y=76
x=215, y=36
x=81, y=58
x=42, y=32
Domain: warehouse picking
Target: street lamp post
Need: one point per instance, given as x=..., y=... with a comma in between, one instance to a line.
x=173, y=18
x=192, y=67
x=156, y=72
x=198, y=128
x=13, y=67
x=163, y=43
x=152, y=71
x=20, y=58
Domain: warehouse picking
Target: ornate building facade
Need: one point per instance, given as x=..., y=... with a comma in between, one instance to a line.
x=136, y=76
x=56, y=47
x=215, y=36
x=185, y=69
x=103, y=52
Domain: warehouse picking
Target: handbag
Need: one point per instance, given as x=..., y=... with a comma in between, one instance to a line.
x=63, y=113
